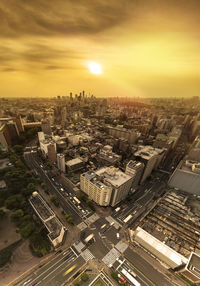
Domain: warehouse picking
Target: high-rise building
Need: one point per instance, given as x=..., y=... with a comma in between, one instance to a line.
x=61, y=162
x=19, y=123
x=52, y=152
x=8, y=133
x=135, y=170
x=151, y=157
x=63, y=116
x=106, y=186
x=46, y=127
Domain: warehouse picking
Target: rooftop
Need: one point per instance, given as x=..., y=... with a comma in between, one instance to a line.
x=54, y=226
x=113, y=176
x=74, y=162
x=148, y=152
x=41, y=207
x=193, y=264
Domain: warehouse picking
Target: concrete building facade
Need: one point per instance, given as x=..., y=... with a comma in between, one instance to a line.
x=61, y=162
x=106, y=186
x=135, y=170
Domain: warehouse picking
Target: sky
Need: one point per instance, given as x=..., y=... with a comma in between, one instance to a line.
x=146, y=48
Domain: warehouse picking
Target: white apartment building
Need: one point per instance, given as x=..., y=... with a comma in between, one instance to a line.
x=106, y=186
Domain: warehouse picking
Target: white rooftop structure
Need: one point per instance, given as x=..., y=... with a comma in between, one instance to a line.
x=146, y=152
x=113, y=176
x=74, y=162
x=158, y=248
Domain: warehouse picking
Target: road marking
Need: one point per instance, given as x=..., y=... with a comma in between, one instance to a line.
x=52, y=266
x=54, y=269
x=74, y=251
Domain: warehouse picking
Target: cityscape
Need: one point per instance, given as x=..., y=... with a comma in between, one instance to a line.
x=100, y=143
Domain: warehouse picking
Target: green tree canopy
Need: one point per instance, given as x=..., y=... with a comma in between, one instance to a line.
x=14, y=202
x=27, y=230
x=18, y=149
x=5, y=255
x=84, y=277
x=16, y=215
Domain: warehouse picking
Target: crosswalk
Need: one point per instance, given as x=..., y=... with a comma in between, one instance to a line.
x=111, y=256
x=121, y=246
x=87, y=255
x=82, y=226
x=79, y=246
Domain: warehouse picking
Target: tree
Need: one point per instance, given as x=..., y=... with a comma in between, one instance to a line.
x=14, y=202
x=43, y=185
x=84, y=277
x=2, y=214
x=114, y=275
x=52, y=198
x=18, y=149
x=27, y=230
x=70, y=220
x=5, y=255
x=16, y=215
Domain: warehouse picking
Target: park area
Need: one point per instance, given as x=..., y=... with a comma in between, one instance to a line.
x=8, y=234
x=99, y=282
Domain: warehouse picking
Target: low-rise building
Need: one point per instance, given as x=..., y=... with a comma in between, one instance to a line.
x=75, y=164
x=192, y=269
x=55, y=228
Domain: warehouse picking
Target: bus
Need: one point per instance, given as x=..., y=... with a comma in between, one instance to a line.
x=130, y=278
x=77, y=200
x=127, y=218
x=70, y=269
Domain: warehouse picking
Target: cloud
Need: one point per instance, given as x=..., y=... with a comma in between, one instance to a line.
x=9, y=69
x=61, y=17
x=41, y=55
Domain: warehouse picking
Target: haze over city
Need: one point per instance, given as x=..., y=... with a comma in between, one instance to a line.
x=145, y=48
x=99, y=143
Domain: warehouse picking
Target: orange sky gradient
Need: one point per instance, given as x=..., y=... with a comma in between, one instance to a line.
x=147, y=48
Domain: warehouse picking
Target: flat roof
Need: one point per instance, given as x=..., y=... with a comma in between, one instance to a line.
x=147, y=152
x=193, y=264
x=172, y=258
x=74, y=162
x=54, y=227
x=41, y=207
x=113, y=175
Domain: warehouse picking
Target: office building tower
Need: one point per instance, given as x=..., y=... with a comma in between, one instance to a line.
x=61, y=162
x=19, y=123
x=135, y=170
x=46, y=127
x=52, y=152
x=151, y=157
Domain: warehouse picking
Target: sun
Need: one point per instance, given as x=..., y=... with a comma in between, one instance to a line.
x=95, y=68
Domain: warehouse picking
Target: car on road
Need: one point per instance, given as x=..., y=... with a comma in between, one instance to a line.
x=26, y=282
x=77, y=242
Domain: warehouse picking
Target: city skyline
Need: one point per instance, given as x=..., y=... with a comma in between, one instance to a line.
x=145, y=48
